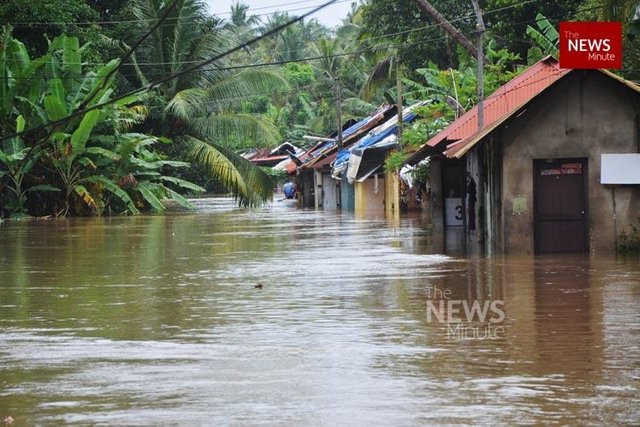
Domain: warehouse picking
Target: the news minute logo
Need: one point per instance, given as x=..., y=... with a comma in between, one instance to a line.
x=588, y=45
x=465, y=319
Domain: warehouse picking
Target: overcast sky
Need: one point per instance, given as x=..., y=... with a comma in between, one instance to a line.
x=330, y=16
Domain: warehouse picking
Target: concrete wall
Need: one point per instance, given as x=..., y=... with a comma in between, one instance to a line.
x=436, y=197
x=582, y=116
x=367, y=199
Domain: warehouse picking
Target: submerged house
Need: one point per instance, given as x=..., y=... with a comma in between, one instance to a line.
x=361, y=166
x=316, y=185
x=271, y=157
x=555, y=167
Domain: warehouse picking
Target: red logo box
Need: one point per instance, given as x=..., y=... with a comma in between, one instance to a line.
x=589, y=45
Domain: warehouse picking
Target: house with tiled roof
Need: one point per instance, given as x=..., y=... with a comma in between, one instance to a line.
x=554, y=167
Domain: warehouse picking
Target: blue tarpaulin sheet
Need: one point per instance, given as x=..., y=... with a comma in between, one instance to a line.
x=372, y=138
x=345, y=134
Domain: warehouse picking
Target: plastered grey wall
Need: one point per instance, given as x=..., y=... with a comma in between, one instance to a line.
x=583, y=116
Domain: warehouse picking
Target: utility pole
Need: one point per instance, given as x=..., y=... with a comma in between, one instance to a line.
x=339, y=110
x=474, y=159
x=480, y=59
x=399, y=100
x=447, y=26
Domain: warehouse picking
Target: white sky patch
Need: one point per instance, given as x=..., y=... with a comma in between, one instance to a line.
x=331, y=16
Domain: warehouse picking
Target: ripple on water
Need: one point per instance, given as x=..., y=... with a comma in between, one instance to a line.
x=157, y=320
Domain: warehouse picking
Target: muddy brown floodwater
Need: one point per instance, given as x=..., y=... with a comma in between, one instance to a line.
x=158, y=320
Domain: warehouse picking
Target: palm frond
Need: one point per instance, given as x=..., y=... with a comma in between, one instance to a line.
x=243, y=129
x=357, y=107
x=381, y=74
x=186, y=104
x=238, y=86
x=248, y=183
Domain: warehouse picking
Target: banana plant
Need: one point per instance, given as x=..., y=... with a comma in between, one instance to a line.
x=17, y=90
x=86, y=158
x=12, y=158
x=140, y=169
x=78, y=154
x=545, y=37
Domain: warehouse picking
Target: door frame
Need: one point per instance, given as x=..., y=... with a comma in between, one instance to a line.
x=537, y=167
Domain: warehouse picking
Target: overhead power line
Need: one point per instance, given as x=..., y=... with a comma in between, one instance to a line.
x=364, y=40
x=307, y=58
x=158, y=82
x=126, y=56
x=275, y=9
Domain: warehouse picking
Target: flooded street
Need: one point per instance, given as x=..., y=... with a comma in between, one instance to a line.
x=158, y=320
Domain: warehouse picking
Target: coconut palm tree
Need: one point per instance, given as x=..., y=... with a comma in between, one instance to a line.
x=330, y=71
x=239, y=17
x=199, y=109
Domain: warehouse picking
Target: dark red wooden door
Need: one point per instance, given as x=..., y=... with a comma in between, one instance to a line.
x=560, y=205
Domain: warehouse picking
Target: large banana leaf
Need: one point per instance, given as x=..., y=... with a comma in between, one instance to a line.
x=113, y=188
x=81, y=135
x=545, y=39
x=178, y=198
x=104, y=153
x=85, y=196
x=71, y=61
x=183, y=183
x=147, y=190
x=55, y=102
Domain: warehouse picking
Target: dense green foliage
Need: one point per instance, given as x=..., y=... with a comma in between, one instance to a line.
x=83, y=165
x=32, y=20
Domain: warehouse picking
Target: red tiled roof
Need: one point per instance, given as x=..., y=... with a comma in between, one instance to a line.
x=501, y=104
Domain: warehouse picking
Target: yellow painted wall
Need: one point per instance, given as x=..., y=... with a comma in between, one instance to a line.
x=392, y=192
x=366, y=199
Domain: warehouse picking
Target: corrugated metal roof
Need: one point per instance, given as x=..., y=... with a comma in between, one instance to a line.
x=389, y=127
x=542, y=79
x=327, y=150
x=504, y=101
x=326, y=161
x=268, y=159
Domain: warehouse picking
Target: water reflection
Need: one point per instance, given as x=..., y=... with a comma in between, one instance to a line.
x=157, y=320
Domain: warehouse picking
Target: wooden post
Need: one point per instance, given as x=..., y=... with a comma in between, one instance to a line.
x=339, y=111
